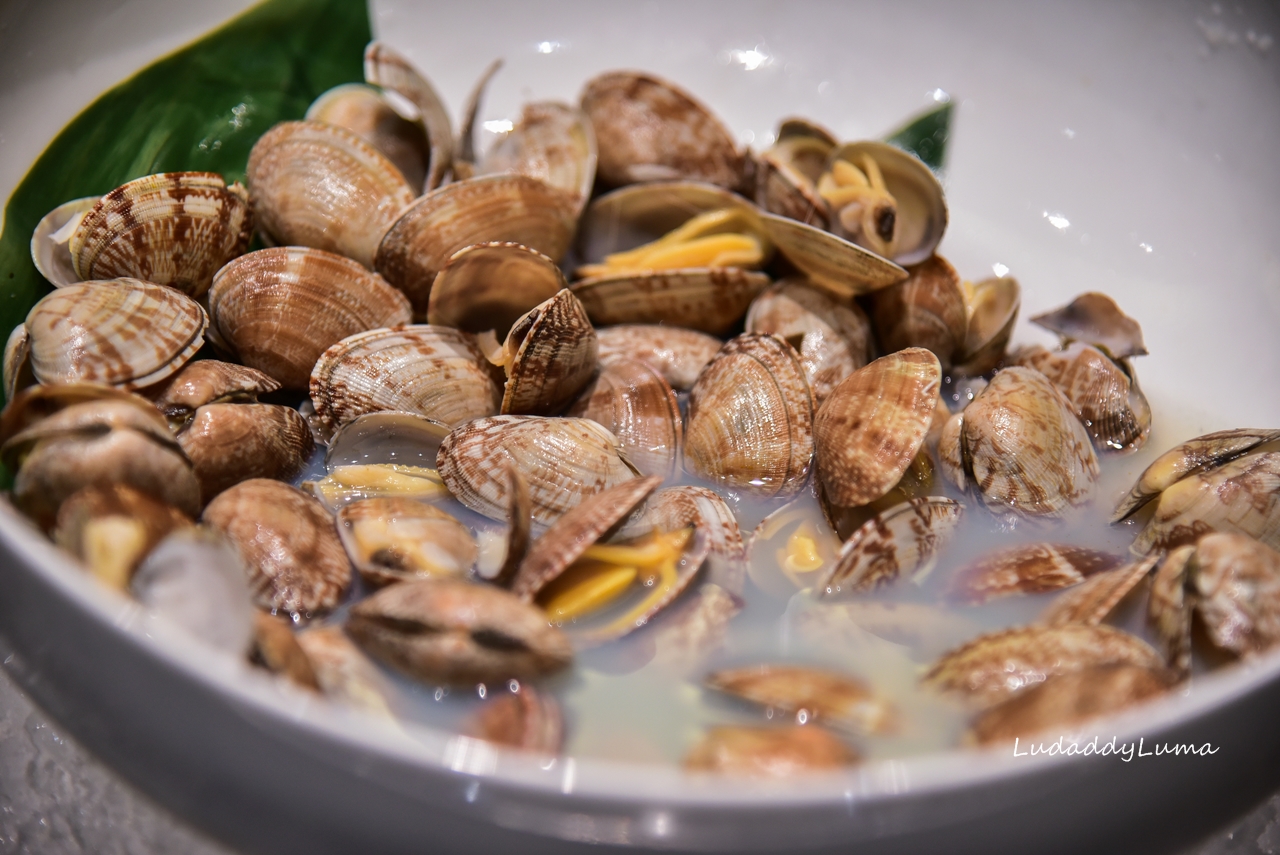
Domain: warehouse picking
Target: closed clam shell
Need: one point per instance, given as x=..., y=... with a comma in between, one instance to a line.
x=823, y=696
x=750, y=418
x=486, y=208
x=768, y=752
x=640, y=409
x=707, y=299
x=650, y=130
x=551, y=356
x=927, y=310
x=1095, y=319
x=363, y=110
x=205, y=381
x=552, y=142
x=433, y=371
x=396, y=540
x=903, y=540
x=677, y=507
x=488, y=286
x=874, y=423
x=447, y=631
x=523, y=718
x=278, y=309
x=51, y=241
x=840, y=266
x=832, y=337
x=1028, y=569
x=995, y=666
x=1026, y=450
x=322, y=186
x=230, y=443
x=175, y=228
x=1236, y=584
x=678, y=354
x=388, y=68
x=564, y=461
x=124, y=332
x=39, y=402
x=287, y=539
x=1103, y=394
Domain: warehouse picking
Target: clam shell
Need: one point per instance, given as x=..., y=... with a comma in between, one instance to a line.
x=650, y=130
x=230, y=443
x=51, y=241
x=833, y=338
x=1028, y=569
x=927, y=310
x=787, y=174
x=287, y=539
x=433, y=371
x=552, y=142
x=486, y=208
x=465, y=159
x=405, y=439
x=951, y=461
x=640, y=409
x=344, y=672
x=175, y=228
x=1093, y=599
x=551, y=356
x=398, y=540
x=386, y=67
x=362, y=109
x=1026, y=450
x=563, y=461
x=1236, y=584
x=676, y=507
x=694, y=627
x=124, y=332
x=1169, y=607
x=112, y=528
x=843, y=268
x=873, y=424
x=813, y=694
x=278, y=309
x=523, y=718
x=322, y=186
x=903, y=540
x=17, y=362
x=993, y=306
x=276, y=648
x=1096, y=319
x=678, y=354
x=488, y=286
x=206, y=381
x=768, y=752
x=707, y=299
x=38, y=403
x=750, y=418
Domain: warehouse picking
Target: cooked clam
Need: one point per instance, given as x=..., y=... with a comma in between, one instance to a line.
x=230, y=443
x=363, y=110
x=843, y=268
x=489, y=286
x=787, y=173
x=675, y=508
x=927, y=310
x=344, y=672
x=208, y=381
x=552, y=142
x=1028, y=569
x=678, y=354
x=112, y=528
x=549, y=356
x=386, y=67
x=901, y=541
x=395, y=539
x=811, y=694
x=1096, y=319
x=769, y=752
x=1093, y=599
x=640, y=409
x=522, y=718
x=51, y=241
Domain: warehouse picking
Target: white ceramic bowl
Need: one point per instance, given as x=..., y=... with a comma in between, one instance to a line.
x=1127, y=148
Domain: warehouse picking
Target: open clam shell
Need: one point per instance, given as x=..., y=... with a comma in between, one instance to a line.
x=842, y=267
x=322, y=186
x=363, y=110
x=278, y=309
x=486, y=208
x=787, y=173
x=488, y=286
x=434, y=371
x=750, y=418
x=550, y=356
x=397, y=540
x=1095, y=318
x=640, y=409
x=208, y=381
x=902, y=541
x=406, y=439
x=17, y=362
x=122, y=332
x=386, y=67
x=927, y=310
x=676, y=507
x=51, y=241
x=992, y=306
x=552, y=142
x=650, y=130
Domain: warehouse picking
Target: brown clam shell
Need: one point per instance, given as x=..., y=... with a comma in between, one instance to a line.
x=874, y=423
x=676, y=507
x=110, y=556
x=707, y=299
x=678, y=354
x=388, y=68
x=640, y=409
x=552, y=142
x=208, y=381
x=768, y=752
x=993, y=306
x=1095, y=318
x=523, y=718
x=230, y=443
x=551, y=353
x=398, y=540
x=1094, y=598
x=276, y=648
x=750, y=418
x=903, y=540
x=814, y=694
x=488, y=286
x=1236, y=584
x=363, y=110
x=840, y=266
x=927, y=310
x=278, y=309
x=787, y=174
x=288, y=541
x=1028, y=569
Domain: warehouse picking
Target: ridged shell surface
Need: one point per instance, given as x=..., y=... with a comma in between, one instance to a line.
x=280, y=308
x=175, y=228
x=1107, y=400
x=842, y=267
x=925, y=310
x=1242, y=496
x=230, y=443
x=489, y=286
x=676, y=507
x=678, y=354
x=363, y=110
x=552, y=142
x=322, y=186
x=433, y=371
x=122, y=332
x=552, y=352
x=205, y=381
x=640, y=409
x=708, y=299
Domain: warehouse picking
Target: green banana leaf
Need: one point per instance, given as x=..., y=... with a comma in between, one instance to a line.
x=926, y=135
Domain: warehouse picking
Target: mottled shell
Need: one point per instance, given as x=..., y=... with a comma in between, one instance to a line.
x=678, y=354
x=676, y=507
x=707, y=299
x=278, y=309
x=434, y=371
x=288, y=541
x=873, y=424
x=552, y=142
x=51, y=240
x=488, y=286
x=525, y=719
x=1236, y=584
x=640, y=409
x=551, y=357
x=1093, y=599
x=175, y=228
x=122, y=332
x=17, y=362
x=750, y=418
x=230, y=443
x=768, y=752
x=208, y=381
x=486, y=208
x=831, y=262
x=1103, y=394
x=563, y=461
x=398, y=540
x=787, y=174
x=344, y=672
x=1169, y=607
x=650, y=130
x=995, y=666
x=363, y=110
x=1024, y=447
x=388, y=68
x=322, y=186
x=446, y=631
x=1096, y=319
x=812, y=694
x=832, y=337
x=927, y=310
x=1028, y=569
x=903, y=540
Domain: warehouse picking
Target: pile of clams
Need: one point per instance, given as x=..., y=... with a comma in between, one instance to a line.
x=621, y=396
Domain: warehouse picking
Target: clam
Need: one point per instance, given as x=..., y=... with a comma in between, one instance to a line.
x=552, y=142
x=344, y=672
x=446, y=631
x=434, y=371
x=230, y=443
x=1021, y=446
x=674, y=508
x=382, y=455
x=175, y=228
x=768, y=752
x=927, y=310
x=486, y=208
x=563, y=461
x=1095, y=319
x=873, y=424
x=464, y=161
x=750, y=418
x=322, y=186
x=296, y=563
x=831, y=262
x=694, y=627
x=366, y=112
x=489, y=286
x=1028, y=569
x=549, y=356
x=51, y=241
x=640, y=409
x=276, y=648
x=278, y=309
x=787, y=173
x=1093, y=599
x=386, y=67
x=124, y=332
x=678, y=354
x=394, y=540
x=833, y=338
x=112, y=528
x=650, y=130
x=522, y=718
x=992, y=309
x=17, y=362
x=792, y=548
x=208, y=381
x=903, y=540
x=811, y=694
